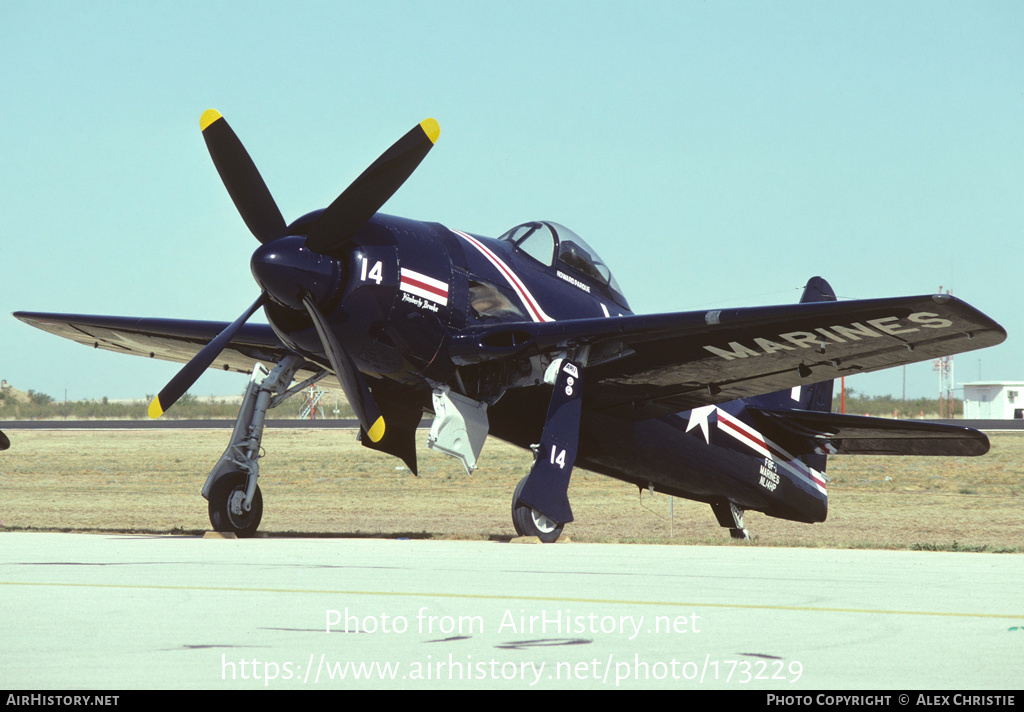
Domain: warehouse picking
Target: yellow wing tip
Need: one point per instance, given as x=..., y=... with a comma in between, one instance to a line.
x=208, y=117
x=377, y=431
x=155, y=409
x=431, y=128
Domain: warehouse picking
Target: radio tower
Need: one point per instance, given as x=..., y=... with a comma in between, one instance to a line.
x=944, y=366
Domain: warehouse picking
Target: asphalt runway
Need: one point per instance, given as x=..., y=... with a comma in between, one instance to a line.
x=89, y=611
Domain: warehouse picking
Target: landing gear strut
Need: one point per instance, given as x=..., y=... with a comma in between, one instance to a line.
x=540, y=505
x=236, y=503
x=731, y=517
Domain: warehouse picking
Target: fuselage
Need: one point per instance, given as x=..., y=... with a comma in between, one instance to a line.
x=407, y=286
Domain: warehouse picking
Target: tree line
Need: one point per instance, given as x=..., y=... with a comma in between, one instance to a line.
x=40, y=406
x=891, y=406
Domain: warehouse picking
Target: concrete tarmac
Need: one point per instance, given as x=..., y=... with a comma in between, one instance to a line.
x=88, y=611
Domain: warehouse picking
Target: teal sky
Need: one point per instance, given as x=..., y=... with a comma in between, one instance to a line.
x=716, y=154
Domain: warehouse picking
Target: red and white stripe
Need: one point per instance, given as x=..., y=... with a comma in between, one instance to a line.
x=423, y=286
x=531, y=304
x=766, y=448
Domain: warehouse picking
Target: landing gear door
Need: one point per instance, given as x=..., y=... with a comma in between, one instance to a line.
x=546, y=488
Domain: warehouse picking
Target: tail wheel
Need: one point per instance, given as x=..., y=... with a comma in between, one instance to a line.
x=529, y=522
x=226, y=512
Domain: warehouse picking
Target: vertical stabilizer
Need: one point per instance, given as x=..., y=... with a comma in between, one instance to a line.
x=815, y=396
x=783, y=465
x=818, y=290
x=820, y=394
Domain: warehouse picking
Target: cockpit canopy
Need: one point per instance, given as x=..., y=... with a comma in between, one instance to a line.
x=557, y=246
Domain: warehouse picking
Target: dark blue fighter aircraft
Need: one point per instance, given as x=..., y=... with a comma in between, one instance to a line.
x=527, y=337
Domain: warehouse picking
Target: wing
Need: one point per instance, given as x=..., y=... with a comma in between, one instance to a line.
x=165, y=339
x=801, y=431
x=646, y=366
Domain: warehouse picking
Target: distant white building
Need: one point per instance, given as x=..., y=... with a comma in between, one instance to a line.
x=994, y=400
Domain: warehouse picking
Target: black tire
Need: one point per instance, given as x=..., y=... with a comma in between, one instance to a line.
x=529, y=522
x=227, y=488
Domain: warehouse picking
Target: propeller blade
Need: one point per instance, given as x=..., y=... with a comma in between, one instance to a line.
x=352, y=381
x=245, y=185
x=371, y=190
x=188, y=375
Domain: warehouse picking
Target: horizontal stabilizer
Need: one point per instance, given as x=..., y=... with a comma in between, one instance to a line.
x=802, y=431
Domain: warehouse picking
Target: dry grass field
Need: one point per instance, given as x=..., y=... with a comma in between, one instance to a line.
x=324, y=483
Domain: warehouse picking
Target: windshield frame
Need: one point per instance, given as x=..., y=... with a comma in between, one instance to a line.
x=568, y=251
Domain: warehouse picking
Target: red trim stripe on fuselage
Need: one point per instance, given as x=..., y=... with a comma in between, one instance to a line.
x=531, y=304
x=423, y=286
x=766, y=448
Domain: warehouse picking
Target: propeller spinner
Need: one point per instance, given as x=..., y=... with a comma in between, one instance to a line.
x=301, y=272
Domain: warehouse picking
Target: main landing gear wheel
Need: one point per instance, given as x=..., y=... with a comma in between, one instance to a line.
x=529, y=522
x=226, y=513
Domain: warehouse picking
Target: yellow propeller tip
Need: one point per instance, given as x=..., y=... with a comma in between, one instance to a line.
x=208, y=117
x=431, y=128
x=155, y=410
x=377, y=431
